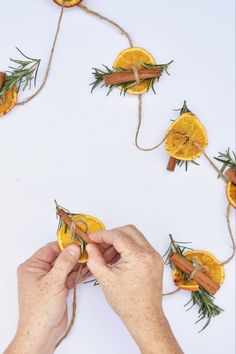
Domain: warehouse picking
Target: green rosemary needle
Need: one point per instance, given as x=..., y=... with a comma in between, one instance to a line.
x=21, y=75
x=228, y=159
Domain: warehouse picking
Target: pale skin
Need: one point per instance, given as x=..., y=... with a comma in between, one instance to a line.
x=133, y=288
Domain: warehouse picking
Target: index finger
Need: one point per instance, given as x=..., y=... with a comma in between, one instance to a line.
x=121, y=241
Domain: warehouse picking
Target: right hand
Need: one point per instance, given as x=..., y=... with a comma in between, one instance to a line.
x=133, y=288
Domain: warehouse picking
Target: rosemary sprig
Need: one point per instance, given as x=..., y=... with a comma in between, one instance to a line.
x=22, y=75
x=207, y=309
x=99, y=74
x=228, y=159
x=205, y=301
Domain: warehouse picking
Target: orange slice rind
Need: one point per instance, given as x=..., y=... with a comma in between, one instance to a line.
x=68, y=3
x=8, y=102
x=186, y=138
x=134, y=57
x=87, y=223
x=213, y=269
x=231, y=193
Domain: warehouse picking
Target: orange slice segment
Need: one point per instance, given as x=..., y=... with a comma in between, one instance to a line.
x=231, y=193
x=182, y=136
x=87, y=223
x=134, y=57
x=214, y=270
x=68, y=3
x=9, y=102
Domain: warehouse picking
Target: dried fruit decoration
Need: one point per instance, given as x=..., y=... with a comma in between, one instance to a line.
x=186, y=139
x=205, y=263
x=67, y=3
x=228, y=159
x=74, y=228
x=18, y=78
x=134, y=71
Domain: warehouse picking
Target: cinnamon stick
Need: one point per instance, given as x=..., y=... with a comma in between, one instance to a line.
x=231, y=174
x=129, y=75
x=171, y=164
x=201, y=278
x=80, y=233
x=2, y=79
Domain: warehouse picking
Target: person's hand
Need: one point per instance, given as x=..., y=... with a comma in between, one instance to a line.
x=43, y=282
x=133, y=287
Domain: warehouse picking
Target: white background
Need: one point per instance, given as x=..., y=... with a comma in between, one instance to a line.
x=78, y=148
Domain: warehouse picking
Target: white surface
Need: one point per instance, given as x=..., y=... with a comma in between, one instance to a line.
x=78, y=148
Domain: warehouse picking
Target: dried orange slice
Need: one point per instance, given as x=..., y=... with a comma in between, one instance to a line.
x=214, y=270
x=231, y=193
x=134, y=57
x=87, y=223
x=8, y=102
x=68, y=3
x=183, y=134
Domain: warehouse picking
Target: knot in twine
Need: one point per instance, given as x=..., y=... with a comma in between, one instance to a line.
x=73, y=227
x=197, y=267
x=136, y=74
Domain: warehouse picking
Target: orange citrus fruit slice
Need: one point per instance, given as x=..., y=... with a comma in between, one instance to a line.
x=86, y=223
x=213, y=269
x=183, y=134
x=8, y=102
x=134, y=57
x=231, y=193
x=68, y=3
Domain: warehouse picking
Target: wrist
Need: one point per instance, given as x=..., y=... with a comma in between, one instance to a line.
x=29, y=341
x=154, y=335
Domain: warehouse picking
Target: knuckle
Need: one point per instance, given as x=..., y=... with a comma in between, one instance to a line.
x=131, y=227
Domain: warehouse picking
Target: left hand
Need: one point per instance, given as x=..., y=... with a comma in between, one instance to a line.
x=43, y=283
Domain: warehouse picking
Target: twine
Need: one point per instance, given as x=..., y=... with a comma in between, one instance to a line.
x=28, y=99
x=136, y=74
x=210, y=161
x=111, y=22
x=171, y=292
x=74, y=307
x=73, y=227
x=231, y=236
x=140, y=116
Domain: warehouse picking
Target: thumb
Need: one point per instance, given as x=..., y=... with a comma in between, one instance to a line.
x=65, y=263
x=96, y=263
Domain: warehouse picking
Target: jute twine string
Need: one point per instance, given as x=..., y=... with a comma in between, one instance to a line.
x=28, y=99
x=74, y=303
x=140, y=116
x=74, y=307
x=111, y=22
x=231, y=236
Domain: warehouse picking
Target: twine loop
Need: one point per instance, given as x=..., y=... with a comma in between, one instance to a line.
x=73, y=227
x=197, y=267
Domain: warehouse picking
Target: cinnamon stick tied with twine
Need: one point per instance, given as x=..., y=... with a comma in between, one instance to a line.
x=80, y=233
x=122, y=77
x=195, y=273
x=2, y=79
x=231, y=174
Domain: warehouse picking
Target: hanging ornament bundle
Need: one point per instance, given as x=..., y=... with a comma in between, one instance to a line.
x=136, y=72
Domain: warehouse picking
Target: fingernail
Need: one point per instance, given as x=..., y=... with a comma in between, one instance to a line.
x=74, y=250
